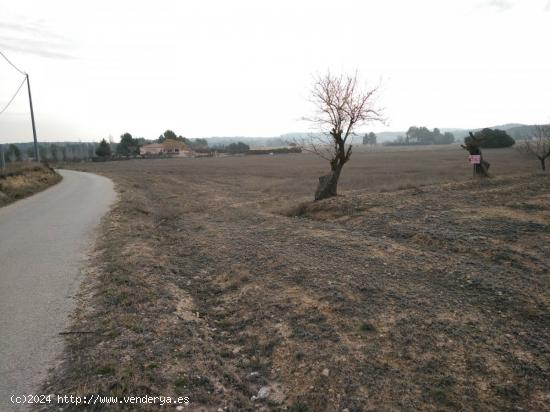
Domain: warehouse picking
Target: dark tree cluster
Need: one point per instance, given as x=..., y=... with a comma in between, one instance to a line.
x=169, y=134
x=50, y=152
x=369, y=138
x=13, y=154
x=422, y=136
x=195, y=144
x=104, y=149
x=238, y=147
x=128, y=146
x=494, y=138
x=62, y=152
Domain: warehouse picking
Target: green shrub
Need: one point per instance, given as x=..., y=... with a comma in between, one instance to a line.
x=494, y=138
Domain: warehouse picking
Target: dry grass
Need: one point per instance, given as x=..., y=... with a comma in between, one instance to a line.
x=20, y=180
x=429, y=297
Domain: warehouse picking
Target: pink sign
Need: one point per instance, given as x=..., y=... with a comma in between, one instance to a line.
x=474, y=159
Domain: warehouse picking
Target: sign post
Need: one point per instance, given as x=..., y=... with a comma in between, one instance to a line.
x=475, y=160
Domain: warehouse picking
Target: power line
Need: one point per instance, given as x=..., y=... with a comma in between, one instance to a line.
x=12, y=65
x=13, y=97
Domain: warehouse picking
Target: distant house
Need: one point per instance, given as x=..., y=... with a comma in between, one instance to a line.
x=151, y=149
x=168, y=147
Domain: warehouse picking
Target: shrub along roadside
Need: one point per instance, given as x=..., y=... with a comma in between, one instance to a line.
x=20, y=180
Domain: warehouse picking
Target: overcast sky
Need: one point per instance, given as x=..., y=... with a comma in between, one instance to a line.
x=244, y=68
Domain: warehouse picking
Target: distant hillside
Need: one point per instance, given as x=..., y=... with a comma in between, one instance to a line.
x=520, y=132
x=250, y=141
x=516, y=130
x=277, y=141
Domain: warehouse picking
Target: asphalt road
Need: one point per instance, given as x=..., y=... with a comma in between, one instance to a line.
x=43, y=244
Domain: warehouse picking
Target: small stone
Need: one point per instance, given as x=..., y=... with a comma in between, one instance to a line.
x=253, y=375
x=263, y=393
x=179, y=408
x=325, y=372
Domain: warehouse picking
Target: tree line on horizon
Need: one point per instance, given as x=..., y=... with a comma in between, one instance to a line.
x=415, y=136
x=52, y=152
x=423, y=136
x=129, y=146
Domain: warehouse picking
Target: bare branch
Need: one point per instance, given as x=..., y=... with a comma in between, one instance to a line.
x=538, y=144
x=341, y=106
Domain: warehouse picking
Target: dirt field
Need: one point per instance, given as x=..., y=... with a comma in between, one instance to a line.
x=24, y=179
x=213, y=280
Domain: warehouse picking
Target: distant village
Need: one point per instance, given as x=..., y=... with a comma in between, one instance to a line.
x=168, y=144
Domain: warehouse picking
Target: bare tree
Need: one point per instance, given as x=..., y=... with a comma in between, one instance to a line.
x=538, y=145
x=472, y=144
x=342, y=105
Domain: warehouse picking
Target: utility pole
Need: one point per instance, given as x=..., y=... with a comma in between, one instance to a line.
x=36, y=152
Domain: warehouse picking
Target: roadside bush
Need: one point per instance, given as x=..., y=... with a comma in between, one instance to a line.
x=238, y=147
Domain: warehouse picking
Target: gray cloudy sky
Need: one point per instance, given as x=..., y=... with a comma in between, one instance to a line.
x=223, y=68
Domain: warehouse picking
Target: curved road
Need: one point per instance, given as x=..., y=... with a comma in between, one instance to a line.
x=43, y=244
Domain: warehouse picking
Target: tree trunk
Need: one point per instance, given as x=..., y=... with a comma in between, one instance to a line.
x=543, y=164
x=481, y=169
x=472, y=145
x=328, y=185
